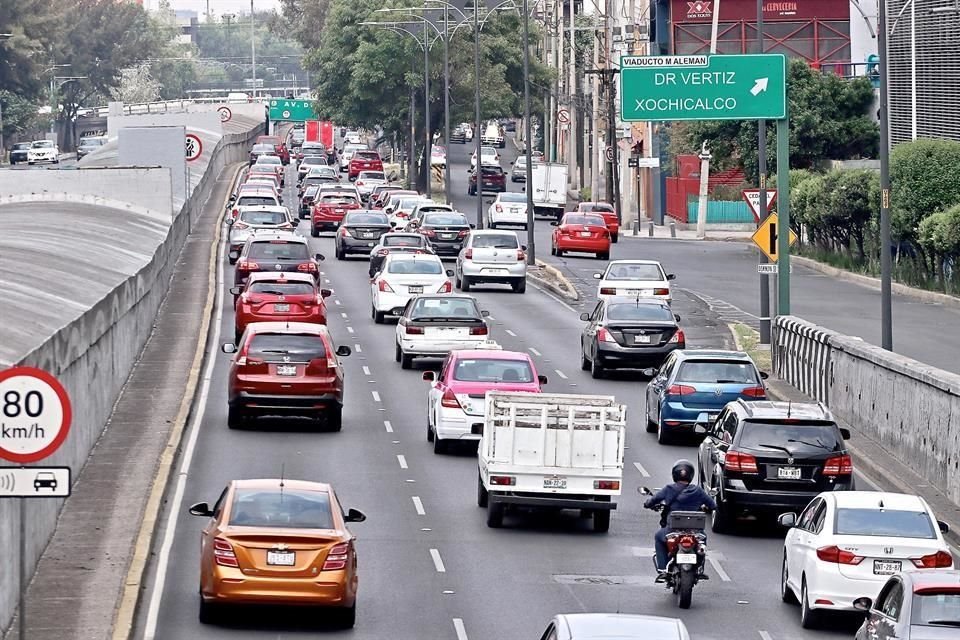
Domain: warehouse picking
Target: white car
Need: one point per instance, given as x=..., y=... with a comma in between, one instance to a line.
x=634, y=278
x=508, y=208
x=488, y=155
x=367, y=180
x=348, y=151
x=431, y=326
x=43, y=151
x=492, y=256
x=438, y=156
x=353, y=137
x=403, y=276
x=846, y=544
x=252, y=219
x=400, y=210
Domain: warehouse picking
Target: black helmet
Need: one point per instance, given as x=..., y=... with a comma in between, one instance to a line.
x=683, y=471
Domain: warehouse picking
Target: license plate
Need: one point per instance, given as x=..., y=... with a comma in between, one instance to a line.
x=281, y=307
x=886, y=567
x=370, y=244
x=448, y=236
x=496, y=272
x=555, y=483
x=514, y=210
x=641, y=339
x=686, y=558
x=281, y=558
x=788, y=473
x=418, y=289
x=585, y=234
x=286, y=370
x=339, y=210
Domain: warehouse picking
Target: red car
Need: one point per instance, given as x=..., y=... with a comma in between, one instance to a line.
x=584, y=233
x=285, y=368
x=364, y=161
x=278, y=144
x=607, y=212
x=279, y=297
x=494, y=179
x=329, y=209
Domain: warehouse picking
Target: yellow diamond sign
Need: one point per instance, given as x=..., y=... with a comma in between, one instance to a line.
x=766, y=237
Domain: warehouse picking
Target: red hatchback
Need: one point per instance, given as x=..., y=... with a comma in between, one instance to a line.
x=279, y=145
x=493, y=177
x=285, y=368
x=364, y=161
x=585, y=233
x=329, y=210
x=607, y=212
x=279, y=297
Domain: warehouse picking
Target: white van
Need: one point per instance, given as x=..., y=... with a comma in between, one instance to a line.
x=238, y=98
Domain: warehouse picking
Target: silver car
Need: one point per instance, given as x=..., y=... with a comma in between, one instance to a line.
x=614, y=626
x=253, y=219
x=492, y=256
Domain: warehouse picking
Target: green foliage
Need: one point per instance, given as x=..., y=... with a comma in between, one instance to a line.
x=301, y=20
x=19, y=114
x=924, y=178
x=829, y=119
x=939, y=234
x=837, y=210
x=35, y=25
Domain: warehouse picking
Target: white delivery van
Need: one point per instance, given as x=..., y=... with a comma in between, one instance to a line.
x=551, y=451
x=549, y=184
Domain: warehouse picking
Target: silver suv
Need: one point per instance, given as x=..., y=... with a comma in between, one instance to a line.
x=492, y=256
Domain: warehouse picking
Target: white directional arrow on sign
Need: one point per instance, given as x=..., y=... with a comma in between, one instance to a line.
x=760, y=85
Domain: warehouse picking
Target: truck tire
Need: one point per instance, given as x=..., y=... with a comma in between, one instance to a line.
x=601, y=521
x=495, y=515
x=483, y=497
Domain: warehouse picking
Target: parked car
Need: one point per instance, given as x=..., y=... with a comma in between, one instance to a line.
x=913, y=606
x=275, y=251
x=359, y=232
x=492, y=256
x=492, y=179
x=431, y=326
x=519, y=171
x=580, y=233
x=608, y=213
x=19, y=151
x=329, y=210
x=396, y=243
x=279, y=297
x=446, y=231
x=403, y=276
x=254, y=219
x=43, y=151
x=508, y=208
x=458, y=135
x=488, y=156
x=636, y=278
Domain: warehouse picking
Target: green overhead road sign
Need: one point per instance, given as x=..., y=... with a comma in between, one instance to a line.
x=292, y=110
x=701, y=87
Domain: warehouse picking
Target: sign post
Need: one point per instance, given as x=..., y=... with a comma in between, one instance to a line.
x=35, y=417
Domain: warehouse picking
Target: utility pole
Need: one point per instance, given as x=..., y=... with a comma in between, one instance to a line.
x=595, y=156
x=427, y=160
x=528, y=148
x=253, y=51
x=762, y=170
x=477, y=134
x=446, y=102
x=886, y=265
x=608, y=78
x=573, y=173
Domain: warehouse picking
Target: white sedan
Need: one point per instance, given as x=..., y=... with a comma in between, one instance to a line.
x=367, y=180
x=488, y=156
x=846, y=544
x=43, y=151
x=431, y=326
x=634, y=278
x=402, y=277
x=508, y=208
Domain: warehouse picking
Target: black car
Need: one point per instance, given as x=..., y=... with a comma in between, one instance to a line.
x=283, y=251
x=628, y=333
x=458, y=136
x=19, y=152
x=307, y=199
x=764, y=457
x=446, y=231
x=397, y=243
x=315, y=180
x=360, y=231
x=262, y=150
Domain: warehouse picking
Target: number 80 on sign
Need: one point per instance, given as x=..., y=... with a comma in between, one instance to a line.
x=35, y=414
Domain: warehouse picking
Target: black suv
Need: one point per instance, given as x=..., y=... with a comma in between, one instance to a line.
x=769, y=457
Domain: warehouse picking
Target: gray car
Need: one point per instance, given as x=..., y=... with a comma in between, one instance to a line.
x=614, y=626
x=89, y=145
x=360, y=232
x=492, y=257
x=914, y=605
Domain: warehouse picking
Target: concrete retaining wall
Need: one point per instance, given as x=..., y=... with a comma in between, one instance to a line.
x=911, y=409
x=94, y=354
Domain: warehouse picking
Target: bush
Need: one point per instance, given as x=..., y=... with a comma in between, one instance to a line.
x=939, y=236
x=924, y=178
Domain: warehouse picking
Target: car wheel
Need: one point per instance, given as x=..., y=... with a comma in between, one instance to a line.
x=603, y=256
x=439, y=445
x=482, y=496
x=379, y=317
x=662, y=436
x=596, y=368
x=559, y=252
x=495, y=515
x=553, y=250
x=340, y=254
x=430, y=434
x=406, y=362
x=584, y=360
x=786, y=593
x=209, y=612
x=601, y=521
x=348, y=616
x=335, y=418
x=465, y=283
x=809, y=618
x=651, y=425
x=397, y=354
x=520, y=286
x=615, y=238
x=314, y=232
x=720, y=519
x=457, y=282
x=235, y=418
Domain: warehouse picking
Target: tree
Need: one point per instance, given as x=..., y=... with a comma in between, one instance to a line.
x=939, y=235
x=924, y=179
x=301, y=20
x=19, y=114
x=35, y=25
x=137, y=86
x=829, y=119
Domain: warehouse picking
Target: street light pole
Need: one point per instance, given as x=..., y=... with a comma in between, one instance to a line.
x=427, y=160
x=476, y=100
x=762, y=170
x=528, y=147
x=253, y=51
x=446, y=102
x=886, y=266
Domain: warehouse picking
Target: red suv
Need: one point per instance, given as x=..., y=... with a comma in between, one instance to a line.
x=285, y=368
x=279, y=297
x=279, y=145
x=494, y=179
x=364, y=161
x=329, y=209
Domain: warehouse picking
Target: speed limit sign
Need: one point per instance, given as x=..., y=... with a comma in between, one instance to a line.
x=610, y=153
x=35, y=414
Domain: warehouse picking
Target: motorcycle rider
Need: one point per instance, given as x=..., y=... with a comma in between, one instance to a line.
x=679, y=496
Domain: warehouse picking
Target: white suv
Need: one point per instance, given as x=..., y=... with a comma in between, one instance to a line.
x=403, y=276
x=492, y=256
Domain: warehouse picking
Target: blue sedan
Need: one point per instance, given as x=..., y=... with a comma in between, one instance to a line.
x=692, y=382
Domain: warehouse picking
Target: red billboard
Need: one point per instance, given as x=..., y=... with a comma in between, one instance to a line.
x=746, y=10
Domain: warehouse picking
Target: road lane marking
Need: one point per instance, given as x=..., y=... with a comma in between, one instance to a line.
x=337, y=302
x=437, y=561
x=460, y=629
x=376, y=396
x=418, y=505
x=402, y=460
x=388, y=426
x=561, y=374
x=326, y=280
x=535, y=352
x=550, y=295
x=357, y=348
x=714, y=557
x=343, y=313
x=511, y=333
x=366, y=370
x=642, y=471
x=765, y=635
x=349, y=329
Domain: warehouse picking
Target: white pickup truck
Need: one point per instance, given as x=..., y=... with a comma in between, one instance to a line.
x=551, y=451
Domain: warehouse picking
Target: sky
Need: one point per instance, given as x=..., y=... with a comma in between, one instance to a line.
x=219, y=7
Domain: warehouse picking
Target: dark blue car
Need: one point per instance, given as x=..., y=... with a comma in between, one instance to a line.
x=692, y=382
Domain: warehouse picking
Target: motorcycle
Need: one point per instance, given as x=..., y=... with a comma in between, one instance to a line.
x=686, y=551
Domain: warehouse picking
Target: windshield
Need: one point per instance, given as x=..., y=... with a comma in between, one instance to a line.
x=264, y=148
x=282, y=288
x=263, y=217
x=884, y=522
x=490, y=370
x=253, y=201
x=455, y=308
x=595, y=221
x=366, y=155
x=286, y=509
x=372, y=175
x=597, y=206
x=717, y=372
x=279, y=250
x=499, y=241
x=936, y=608
x=314, y=160
x=336, y=199
x=269, y=160
x=434, y=219
x=513, y=197
x=366, y=218
x=634, y=272
x=802, y=439
x=92, y=142
x=407, y=203
x=634, y=311
x=43, y=144
x=418, y=267
x=402, y=241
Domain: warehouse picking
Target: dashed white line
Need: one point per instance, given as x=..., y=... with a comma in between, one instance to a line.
x=349, y=329
x=765, y=635
x=535, y=352
x=343, y=313
x=418, y=505
x=326, y=280
x=402, y=460
x=460, y=629
x=366, y=370
x=561, y=374
x=511, y=333
x=357, y=348
x=376, y=396
x=643, y=472
x=388, y=426
x=437, y=561
x=714, y=559
x=337, y=302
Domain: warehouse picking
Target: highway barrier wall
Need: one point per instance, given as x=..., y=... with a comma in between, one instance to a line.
x=909, y=408
x=94, y=347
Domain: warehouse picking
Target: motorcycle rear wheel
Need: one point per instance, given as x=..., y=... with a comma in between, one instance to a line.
x=684, y=588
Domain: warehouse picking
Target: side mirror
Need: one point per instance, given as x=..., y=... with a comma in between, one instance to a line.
x=343, y=351
x=703, y=423
x=676, y=317
x=585, y=317
x=555, y=223
x=354, y=516
x=523, y=247
x=392, y=223
x=863, y=604
x=671, y=276
x=233, y=198
x=598, y=276
x=319, y=257
x=201, y=509
x=234, y=255
x=429, y=376
x=764, y=375
x=650, y=373
x=326, y=293
x=473, y=226
x=450, y=273
x=844, y=433
x=230, y=220
x=228, y=347
x=236, y=290
x=944, y=527
x=485, y=314
x=542, y=379
x=388, y=210
x=787, y=520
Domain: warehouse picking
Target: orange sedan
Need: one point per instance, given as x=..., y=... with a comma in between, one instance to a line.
x=278, y=542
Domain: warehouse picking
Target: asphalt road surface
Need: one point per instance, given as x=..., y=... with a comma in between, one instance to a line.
x=429, y=567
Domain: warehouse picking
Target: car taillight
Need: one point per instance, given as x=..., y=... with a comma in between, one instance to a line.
x=343, y=231
x=503, y=481
x=241, y=225
x=235, y=213
x=678, y=337
x=446, y=287
x=468, y=254
x=498, y=208
x=680, y=390
x=604, y=336
x=836, y=555
x=383, y=252
x=754, y=392
x=661, y=292
x=521, y=256
x=413, y=331
x=838, y=466
x=608, y=291
x=383, y=285
x=479, y=331
x=337, y=557
x=463, y=233
x=938, y=560
x=223, y=553
x=359, y=183
x=449, y=400
x=309, y=267
x=247, y=299
x=247, y=265
x=606, y=485
x=742, y=462
x=430, y=233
